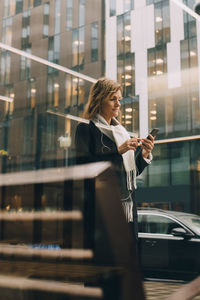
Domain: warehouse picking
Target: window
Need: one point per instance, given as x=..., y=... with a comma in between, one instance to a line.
x=81, y=12
x=128, y=5
x=180, y=167
x=74, y=92
x=26, y=27
x=19, y=6
x=156, y=224
x=25, y=69
x=31, y=93
x=49, y=136
x=94, y=41
x=7, y=31
x=157, y=61
x=112, y=8
x=37, y=2
x=53, y=91
x=125, y=59
x=68, y=91
x=57, y=16
x=126, y=73
x=54, y=51
x=28, y=136
x=159, y=172
x=69, y=14
x=148, y=2
x=162, y=22
x=189, y=53
x=162, y=106
x=123, y=34
x=34, y=3
x=9, y=8
x=9, y=106
x=189, y=21
x=78, y=46
x=5, y=64
x=46, y=20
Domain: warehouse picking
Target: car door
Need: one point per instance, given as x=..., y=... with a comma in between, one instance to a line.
x=153, y=244
x=184, y=255
x=163, y=254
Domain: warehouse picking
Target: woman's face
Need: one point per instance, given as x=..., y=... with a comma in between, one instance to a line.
x=110, y=106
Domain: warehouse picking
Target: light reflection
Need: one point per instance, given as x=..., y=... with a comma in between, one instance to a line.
x=159, y=60
x=153, y=112
x=192, y=53
x=78, y=42
x=128, y=109
x=128, y=68
x=127, y=38
x=128, y=27
x=33, y=91
x=158, y=19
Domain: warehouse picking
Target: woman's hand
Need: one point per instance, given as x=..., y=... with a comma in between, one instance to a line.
x=130, y=144
x=147, y=146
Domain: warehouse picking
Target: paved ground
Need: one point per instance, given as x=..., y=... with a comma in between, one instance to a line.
x=160, y=290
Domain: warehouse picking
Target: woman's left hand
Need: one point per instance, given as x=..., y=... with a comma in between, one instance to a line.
x=147, y=146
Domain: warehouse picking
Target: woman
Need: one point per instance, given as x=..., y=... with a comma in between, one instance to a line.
x=105, y=139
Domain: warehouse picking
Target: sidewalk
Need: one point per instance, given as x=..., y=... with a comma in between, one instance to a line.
x=160, y=290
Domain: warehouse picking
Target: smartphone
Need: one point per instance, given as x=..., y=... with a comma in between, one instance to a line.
x=154, y=132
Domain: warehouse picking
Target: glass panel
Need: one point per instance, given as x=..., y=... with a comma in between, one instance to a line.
x=78, y=46
x=156, y=61
x=7, y=31
x=69, y=14
x=81, y=12
x=112, y=8
x=57, y=16
x=9, y=7
x=37, y=2
x=180, y=164
x=159, y=172
x=19, y=6
x=46, y=20
x=94, y=41
x=156, y=224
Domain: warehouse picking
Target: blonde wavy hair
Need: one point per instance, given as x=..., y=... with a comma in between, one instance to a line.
x=99, y=91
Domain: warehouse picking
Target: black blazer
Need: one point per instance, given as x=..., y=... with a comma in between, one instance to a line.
x=92, y=146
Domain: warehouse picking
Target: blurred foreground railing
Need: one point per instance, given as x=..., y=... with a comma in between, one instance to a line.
x=63, y=235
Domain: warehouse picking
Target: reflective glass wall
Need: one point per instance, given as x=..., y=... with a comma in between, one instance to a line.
x=150, y=47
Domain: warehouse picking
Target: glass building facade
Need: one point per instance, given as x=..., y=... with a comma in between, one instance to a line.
x=63, y=233
x=157, y=61
x=150, y=47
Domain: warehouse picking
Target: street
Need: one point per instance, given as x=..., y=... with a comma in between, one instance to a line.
x=160, y=290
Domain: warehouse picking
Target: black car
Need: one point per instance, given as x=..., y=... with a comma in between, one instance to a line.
x=169, y=244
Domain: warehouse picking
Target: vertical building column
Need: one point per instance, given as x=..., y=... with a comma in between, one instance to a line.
x=173, y=48
x=111, y=48
x=142, y=38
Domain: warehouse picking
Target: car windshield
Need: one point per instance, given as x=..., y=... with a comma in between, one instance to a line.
x=192, y=221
